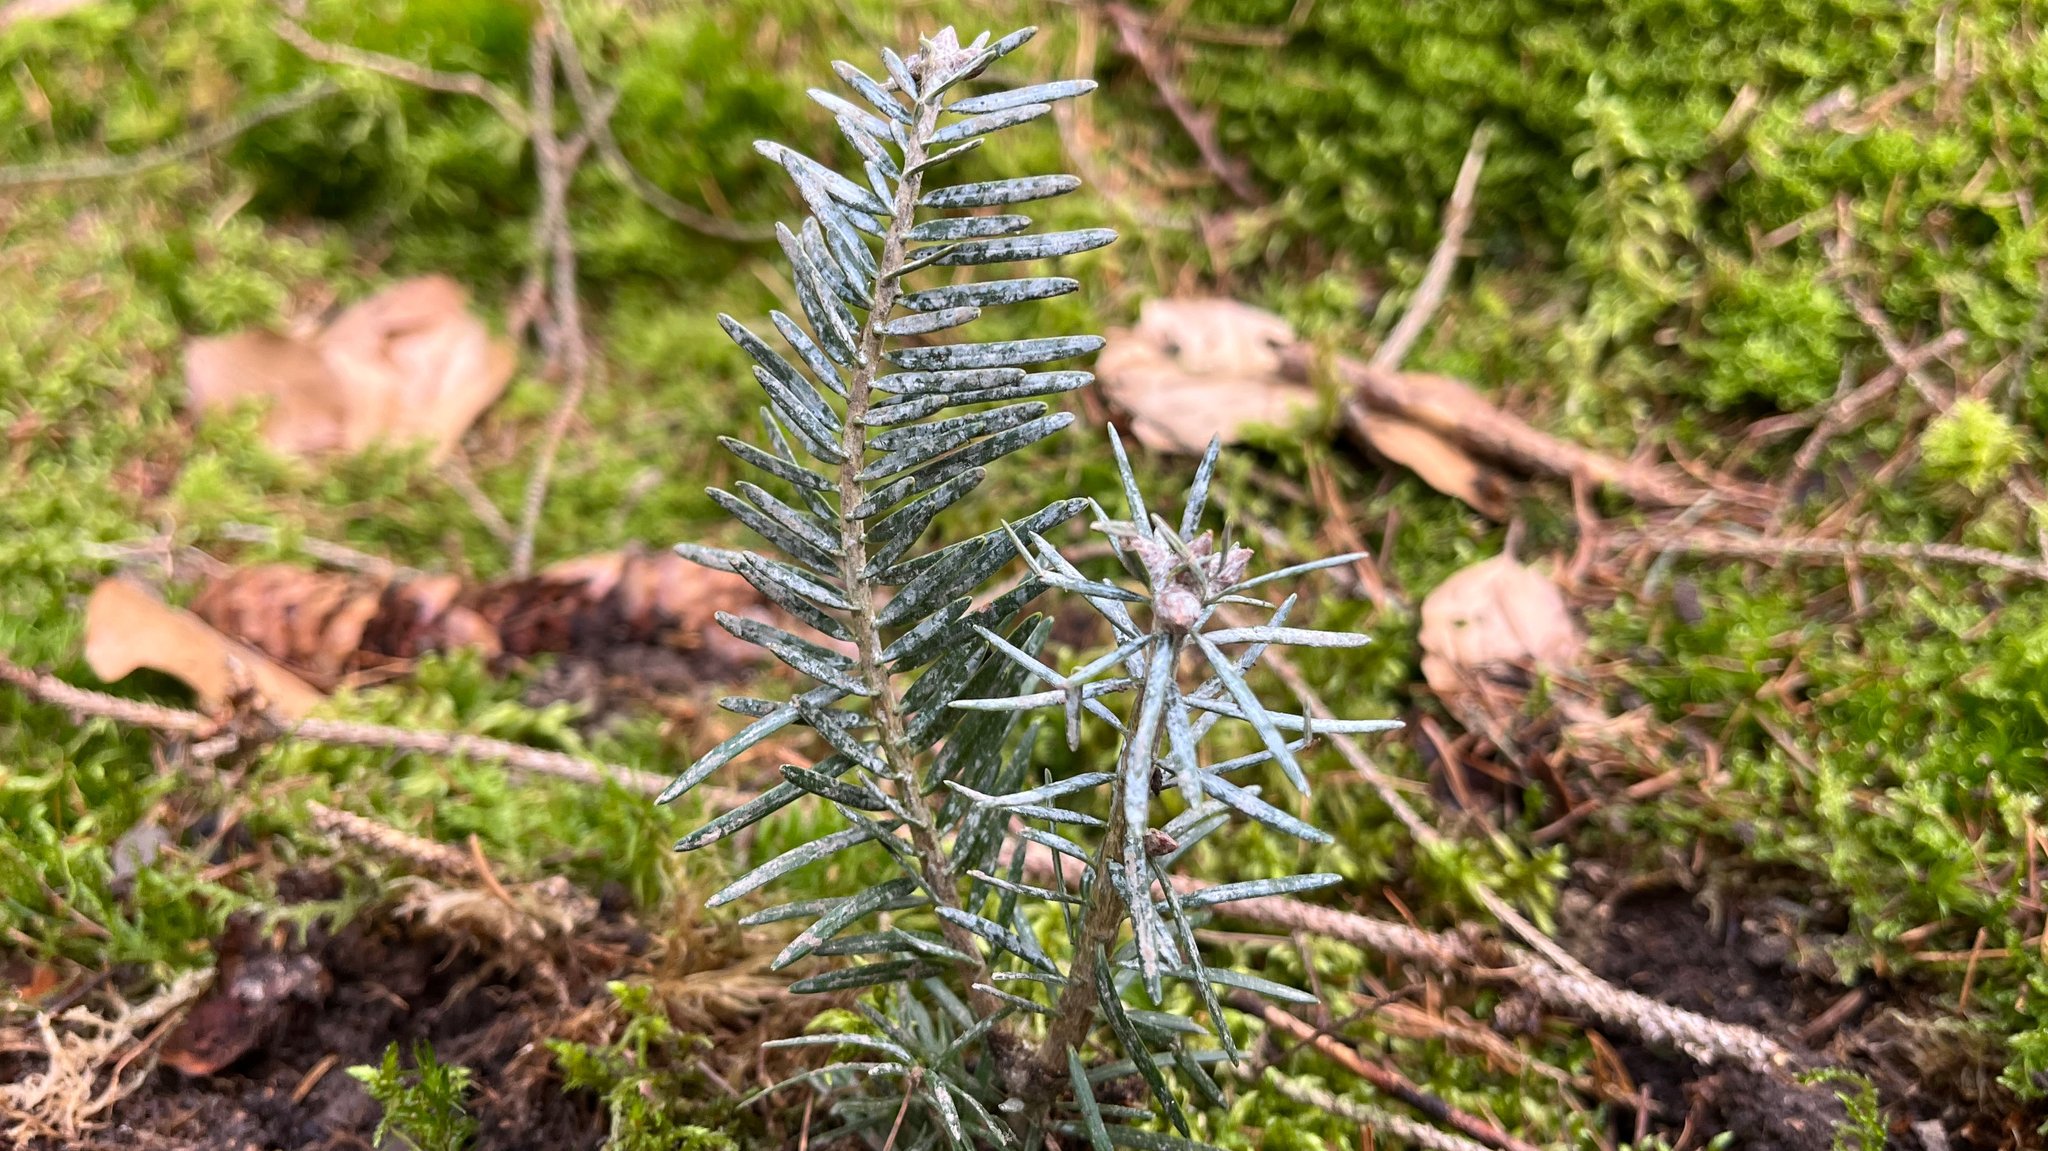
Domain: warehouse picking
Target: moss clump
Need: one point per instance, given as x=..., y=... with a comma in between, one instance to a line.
x=1972, y=444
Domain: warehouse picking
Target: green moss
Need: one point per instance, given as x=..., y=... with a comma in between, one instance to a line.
x=1973, y=445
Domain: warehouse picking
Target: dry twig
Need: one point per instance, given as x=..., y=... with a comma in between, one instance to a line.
x=1708, y=1040
x=555, y=245
x=596, y=116
x=204, y=140
x=1429, y=294
x=1373, y=1118
x=518, y=757
x=480, y=503
x=1200, y=125
x=1384, y=1079
x=1802, y=547
x=456, y=83
x=384, y=839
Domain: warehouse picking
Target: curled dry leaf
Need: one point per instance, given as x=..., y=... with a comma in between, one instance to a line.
x=409, y=364
x=324, y=624
x=1435, y=460
x=608, y=607
x=127, y=628
x=1494, y=615
x=1195, y=368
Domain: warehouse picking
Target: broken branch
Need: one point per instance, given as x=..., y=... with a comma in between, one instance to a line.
x=596, y=116
x=1799, y=547
x=455, y=83
x=555, y=245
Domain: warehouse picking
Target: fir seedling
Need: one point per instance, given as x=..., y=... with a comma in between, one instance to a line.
x=978, y=1034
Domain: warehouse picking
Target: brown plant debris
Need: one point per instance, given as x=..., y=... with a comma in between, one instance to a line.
x=1495, y=615
x=91, y=1061
x=127, y=628
x=1456, y=411
x=408, y=364
x=331, y=625
x=258, y=987
x=1198, y=367
x=1194, y=368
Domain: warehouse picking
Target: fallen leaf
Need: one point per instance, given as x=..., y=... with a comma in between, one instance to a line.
x=1435, y=460
x=322, y=625
x=613, y=607
x=1193, y=368
x=308, y=620
x=1495, y=614
x=127, y=628
x=408, y=364
x=1196, y=368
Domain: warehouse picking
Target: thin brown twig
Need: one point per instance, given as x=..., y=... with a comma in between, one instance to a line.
x=204, y=140
x=80, y=701
x=519, y=757
x=480, y=504
x=1436, y=279
x=1371, y=1117
x=597, y=121
x=1384, y=1079
x=455, y=83
x=1852, y=404
x=326, y=552
x=1895, y=349
x=554, y=244
x=1200, y=126
x=1804, y=547
x=384, y=839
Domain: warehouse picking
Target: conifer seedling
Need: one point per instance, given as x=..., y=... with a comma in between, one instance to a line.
x=1023, y=935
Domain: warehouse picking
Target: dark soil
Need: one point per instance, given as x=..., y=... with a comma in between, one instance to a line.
x=1663, y=944
x=383, y=982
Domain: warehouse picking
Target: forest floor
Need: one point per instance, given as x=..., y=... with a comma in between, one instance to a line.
x=1735, y=353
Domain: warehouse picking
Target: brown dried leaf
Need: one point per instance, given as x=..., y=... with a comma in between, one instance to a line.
x=305, y=415
x=1492, y=614
x=1196, y=368
x=128, y=628
x=325, y=625
x=312, y=621
x=408, y=364
x=1435, y=460
x=1200, y=367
